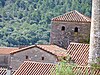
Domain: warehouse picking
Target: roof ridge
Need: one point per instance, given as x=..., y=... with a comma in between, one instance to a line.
x=52, y=45
x=47, y=48
x=39, y=62
x=8, y=47
x=78, y=43
x=18, y=50
x=85, y=17
x=43, y=48
x=63, y=14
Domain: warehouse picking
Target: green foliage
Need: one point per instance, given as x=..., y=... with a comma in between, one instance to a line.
x=26, y=22
x=66, y=68
x=63, y=69
x=96, y=65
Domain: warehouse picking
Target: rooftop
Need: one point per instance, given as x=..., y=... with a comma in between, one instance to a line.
x=79, y=53
x=6, y=50
x=73, y=16
x=38, y=68
x=3, y=71
x=34, y=68
x=53, y=49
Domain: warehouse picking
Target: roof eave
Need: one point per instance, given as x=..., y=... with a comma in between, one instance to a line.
x=71, y=21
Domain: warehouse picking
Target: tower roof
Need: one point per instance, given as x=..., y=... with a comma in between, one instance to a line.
x=73, y=16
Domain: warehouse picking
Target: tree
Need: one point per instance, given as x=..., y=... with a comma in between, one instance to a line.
x=64, y=67
x=26, y=17
x=94, y=51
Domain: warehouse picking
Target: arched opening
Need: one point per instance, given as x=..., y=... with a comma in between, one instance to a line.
x=76, y=29
x=63, y=28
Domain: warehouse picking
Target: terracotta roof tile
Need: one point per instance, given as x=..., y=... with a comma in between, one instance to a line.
x=6, y=50
x=37, y=68
x=3, y=71
x=53, y=49
x=73, y=16
x=34, y=68
x=85, y=70
x=22, y=49
x=79, y=53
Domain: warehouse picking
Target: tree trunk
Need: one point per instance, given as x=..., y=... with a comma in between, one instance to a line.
x=94, y=51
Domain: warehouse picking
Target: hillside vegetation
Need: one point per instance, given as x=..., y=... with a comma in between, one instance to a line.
x=26, y=22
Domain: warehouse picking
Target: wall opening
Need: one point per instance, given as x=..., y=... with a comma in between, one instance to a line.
x=63, y=28
x=26, y=57
x=42, y=58
x=64, y=58
x=76, y=29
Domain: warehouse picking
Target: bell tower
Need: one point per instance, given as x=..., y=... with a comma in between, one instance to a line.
x=70, y=27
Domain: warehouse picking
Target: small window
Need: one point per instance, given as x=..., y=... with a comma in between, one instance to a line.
x=64, y=58
x=26, y=57
x=76, y=29
x=63, y=28
x=42, y=58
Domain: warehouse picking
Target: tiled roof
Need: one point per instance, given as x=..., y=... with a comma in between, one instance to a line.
x=6, y=50
x=37, y=68
x=3, y=71
x=85, y=70
x=73, y=16
x=53, y=49
x=79, y=53
x=22, y=49
x=34, y=68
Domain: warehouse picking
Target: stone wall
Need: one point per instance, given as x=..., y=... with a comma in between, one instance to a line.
x=33, y=54
x=4, y=61
x=62, y=37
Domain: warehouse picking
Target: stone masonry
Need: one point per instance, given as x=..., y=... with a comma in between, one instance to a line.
x=64, y=32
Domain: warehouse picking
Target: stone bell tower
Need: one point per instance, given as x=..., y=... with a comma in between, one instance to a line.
x=70, y=27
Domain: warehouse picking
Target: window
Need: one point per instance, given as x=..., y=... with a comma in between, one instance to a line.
x=64, y=58
x=63, y=28
x=26, y=57
x=76, y=29
x=42, y=58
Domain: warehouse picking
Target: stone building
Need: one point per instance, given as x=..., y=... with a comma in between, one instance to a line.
x=5, y=56
x=37, y=53
x=70, y=27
